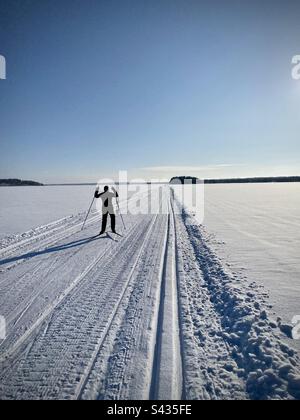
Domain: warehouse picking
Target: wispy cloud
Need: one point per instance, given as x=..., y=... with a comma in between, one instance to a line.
x=188, y=168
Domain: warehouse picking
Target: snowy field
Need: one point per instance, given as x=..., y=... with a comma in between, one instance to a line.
x=259, y=226
x=24, y=208
x=168, y=310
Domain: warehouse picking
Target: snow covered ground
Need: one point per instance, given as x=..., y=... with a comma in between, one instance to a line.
x=157, y=313
x=258, y=227
x=24, y=208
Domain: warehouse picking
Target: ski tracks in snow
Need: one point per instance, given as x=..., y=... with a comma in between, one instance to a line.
x=151, y=315
x=145, y=357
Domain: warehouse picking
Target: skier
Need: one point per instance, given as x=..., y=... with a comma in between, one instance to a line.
x=107, y=208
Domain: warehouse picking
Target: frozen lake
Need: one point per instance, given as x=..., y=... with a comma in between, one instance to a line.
x=23, y=208
x=60, y=288
x=258, y=223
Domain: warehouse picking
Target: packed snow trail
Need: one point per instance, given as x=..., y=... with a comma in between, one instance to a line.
x=167, y=382
x=150, y=315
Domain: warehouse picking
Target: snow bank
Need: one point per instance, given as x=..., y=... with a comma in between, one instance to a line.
x=266, y=364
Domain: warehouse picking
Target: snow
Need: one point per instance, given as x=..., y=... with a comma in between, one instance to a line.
x=24, y=208
x=247, y=350
x=164, y=311
x=258, y=230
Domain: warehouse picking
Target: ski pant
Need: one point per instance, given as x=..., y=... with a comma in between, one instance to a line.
x=112, y=222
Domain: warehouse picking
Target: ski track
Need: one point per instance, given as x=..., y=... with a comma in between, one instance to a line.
x=167, y=371
x=144, y=356
x=84, y=309
x=150, y=315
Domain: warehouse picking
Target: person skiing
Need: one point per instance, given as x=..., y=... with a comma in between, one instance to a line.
x=107, y=208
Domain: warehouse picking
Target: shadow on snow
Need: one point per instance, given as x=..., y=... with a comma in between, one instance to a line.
x=63, y=247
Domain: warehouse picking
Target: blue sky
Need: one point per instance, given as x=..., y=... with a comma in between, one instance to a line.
x=157, y=87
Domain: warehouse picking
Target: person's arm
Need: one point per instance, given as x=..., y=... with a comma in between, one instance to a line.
x=115, y=191
x=97, y=194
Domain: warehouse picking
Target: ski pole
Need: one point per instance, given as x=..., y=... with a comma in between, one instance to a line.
x=88, y=213
x=121, y=214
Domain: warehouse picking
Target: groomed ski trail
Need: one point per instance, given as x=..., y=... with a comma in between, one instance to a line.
x=167, y=375
x=150, y=315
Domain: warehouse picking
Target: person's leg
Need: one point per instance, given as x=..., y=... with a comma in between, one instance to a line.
x=113, y=223
x=104, y=223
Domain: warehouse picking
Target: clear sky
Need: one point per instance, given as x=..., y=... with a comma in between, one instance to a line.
x=157, y=87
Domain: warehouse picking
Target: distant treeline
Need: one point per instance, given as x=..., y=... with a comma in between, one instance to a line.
x=261, y=180
x=17, y=183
